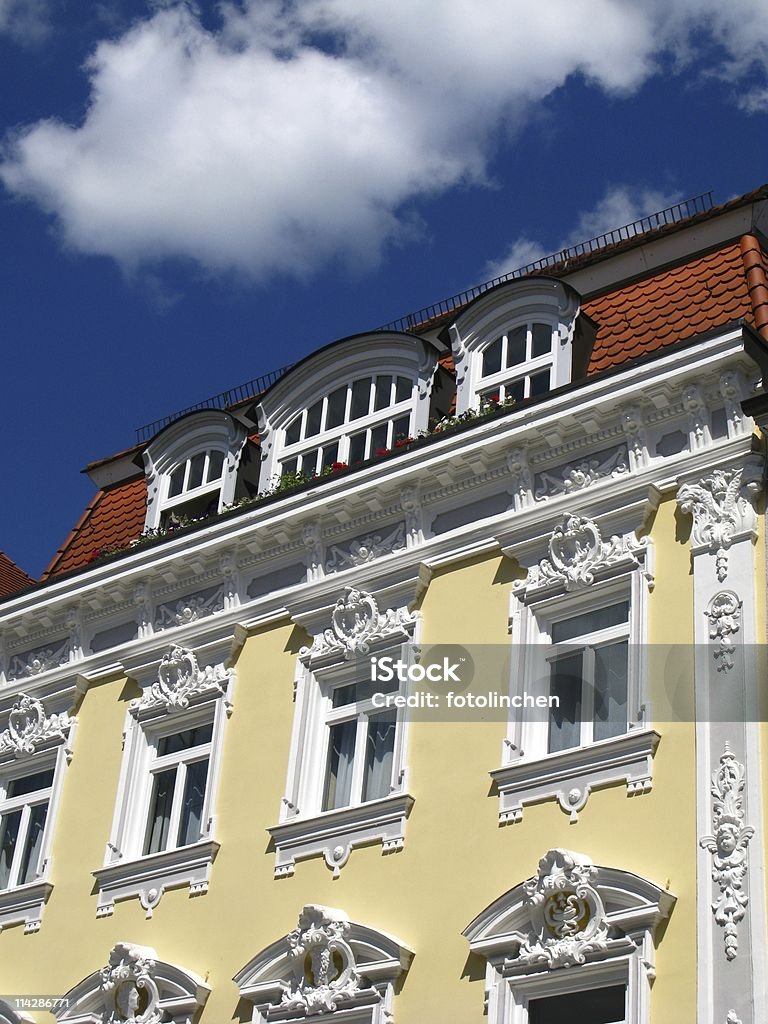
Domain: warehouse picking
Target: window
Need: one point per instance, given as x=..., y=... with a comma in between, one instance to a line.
x=595, y=1006
x=23, y=809
x=194, y=487
x=347, y=776
x=349, y=425
x=578, y=625
x=163, y=829
x=518, y=364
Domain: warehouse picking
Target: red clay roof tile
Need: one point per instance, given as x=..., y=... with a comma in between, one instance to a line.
x=12, y=578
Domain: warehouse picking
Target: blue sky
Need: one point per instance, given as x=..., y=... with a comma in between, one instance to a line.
x=194, y=195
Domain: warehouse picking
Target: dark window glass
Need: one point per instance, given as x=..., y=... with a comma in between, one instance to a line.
x=379, y=438
x=30, y=783
x=9, y=834
x=337, y=407
x=293, y=431
x=341, y=755
x=590, y=622
x=379, y=750
x=610, y=717
x=541, y=339
x=597, y=1006
x=540, y=383
x=515, y=390
x=361, y=398
x=403, y=390
x=196, y=468
x=309, y=462
x=190, y=826
x=357, y=448
x=215, y=466
x=383, y=392
x=492, y=358
x=330, y=454
x=184, y=740
x=289, y=467
x=400, y=428
x=30, y=858
x=516, y=338
x=314, y=419
x=159, y=823
x=176, y=485
x=565, y=721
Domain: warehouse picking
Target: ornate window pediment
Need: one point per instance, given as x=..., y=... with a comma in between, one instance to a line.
x=571, y=914
x=135, y=987
x=357, y=627
x=327, y=964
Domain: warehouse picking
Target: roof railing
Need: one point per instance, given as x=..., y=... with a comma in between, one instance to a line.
x=671, y=215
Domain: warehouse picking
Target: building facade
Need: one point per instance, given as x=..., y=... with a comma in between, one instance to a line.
x=212, y=807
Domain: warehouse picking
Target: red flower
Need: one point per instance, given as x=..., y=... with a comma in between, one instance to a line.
x=336, y=467
x=382, y=451
x=404, y=441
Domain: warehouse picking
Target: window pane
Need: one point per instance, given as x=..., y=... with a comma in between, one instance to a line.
x=159, y=822
x=515, y=390
x=598, y=1006
x=383, y=392
x=492, y=358
x=590, y=622
x=314, y=417
x=379, y=438
x=353, y=692
x=541, y=339
x=361, y=398
x=565, y=721
x=185, y=740
x=341, y=756
x=516, y=338
x=330, y=454
x=357, y=448
x=379, y=750
x=293, y=431
x=176, y=485
x=196, y=467
x=9, y=833
x=30, y=783
x=400, y=428
x=337, y=407
x=190, y=827
x=309, y=462
x=30, y=858
x=539, y=383
x=611, y=664
x=289, y=467
x=403, y=390
x=215, y=466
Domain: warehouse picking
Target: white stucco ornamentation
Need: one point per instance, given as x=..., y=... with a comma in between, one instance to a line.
x=365, y=549
x=29, y=728
x=326, y=974
x=181, y=681
x=130, y=993
x=728, y=846
x=724, y=614
x=722, y=508
x=357, y=623
x=567, y=916
x=578, y=553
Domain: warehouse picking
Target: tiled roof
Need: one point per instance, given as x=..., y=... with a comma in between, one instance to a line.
x=666, y=308
x=12, y=578
x=115, y=517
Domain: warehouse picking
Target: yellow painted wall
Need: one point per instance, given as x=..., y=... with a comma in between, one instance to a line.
x=456, y=860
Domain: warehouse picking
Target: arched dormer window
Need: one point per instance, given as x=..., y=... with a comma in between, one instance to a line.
x=191, y=467
x=514, y=342
x=346, y=403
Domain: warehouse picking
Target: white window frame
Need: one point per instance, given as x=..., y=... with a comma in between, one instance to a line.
x=501, y=380
x=42, y=743
x=529, y=773
x=128, y=872
x=206, y=487
x=304, y=829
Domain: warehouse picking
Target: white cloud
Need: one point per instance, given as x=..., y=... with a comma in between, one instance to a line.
x=25, y=21
x=621, y=205
x=299, y=132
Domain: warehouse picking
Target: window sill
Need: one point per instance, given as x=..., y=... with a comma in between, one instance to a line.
x=569, y=776
x=334, y=833
x=149, y=877
x=24, y=904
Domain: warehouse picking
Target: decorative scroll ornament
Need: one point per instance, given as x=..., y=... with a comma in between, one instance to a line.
x=567, y=916
x=181, y=681
x=128, y=986
x=29, y=728
x=357, y=623
x=724, y=614
x=577, y=553
x=366, y=549
x=577, y=475
x=728, y=847
x=721, y=506
x=325, y=964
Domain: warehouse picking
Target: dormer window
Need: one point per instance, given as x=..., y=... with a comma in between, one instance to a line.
x=192, y=467
x=349, y=425
x=514, y=342
x=345, y=404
